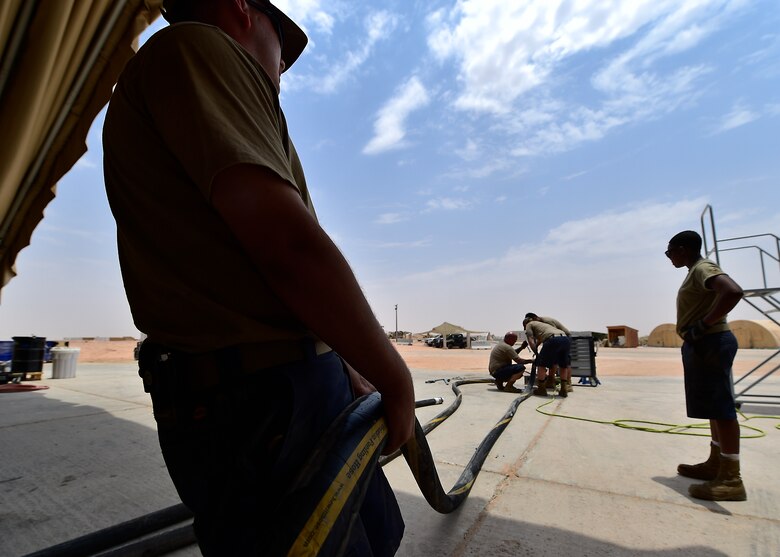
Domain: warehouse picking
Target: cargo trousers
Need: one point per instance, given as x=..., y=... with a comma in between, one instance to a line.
x=233, y=440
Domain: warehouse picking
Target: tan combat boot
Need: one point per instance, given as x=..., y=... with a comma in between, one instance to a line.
x=540, y=389
x=727, y=486
x=566, y=383
x=549, y=383
x=707, y=470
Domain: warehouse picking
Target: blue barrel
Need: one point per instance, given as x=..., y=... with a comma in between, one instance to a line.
x=47, y=357
x=6, y=350
x=28, y=354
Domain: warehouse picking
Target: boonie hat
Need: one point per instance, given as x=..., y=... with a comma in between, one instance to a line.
x=295, y=40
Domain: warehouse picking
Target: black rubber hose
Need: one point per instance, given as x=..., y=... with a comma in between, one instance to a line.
x=418, y=456
x=440, y=417
x=93, y=543
x=161, y=543
x=332, y=484
x=360, y=431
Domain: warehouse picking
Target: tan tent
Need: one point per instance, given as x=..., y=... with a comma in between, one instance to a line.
x=664, y=335
x=448, y=329
x=59, y=60
x=750, y=334
x=756, y=334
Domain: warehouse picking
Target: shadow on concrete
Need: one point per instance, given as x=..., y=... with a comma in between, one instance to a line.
x=510, y=538
x=680, y=485
x=70, y=468
x=765, y=410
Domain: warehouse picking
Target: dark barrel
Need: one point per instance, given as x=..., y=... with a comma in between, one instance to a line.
x=28, y=354
x=6, y=350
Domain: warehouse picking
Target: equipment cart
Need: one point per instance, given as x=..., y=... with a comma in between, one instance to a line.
x=583, y=358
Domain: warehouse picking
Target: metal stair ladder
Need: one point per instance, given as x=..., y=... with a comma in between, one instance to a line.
x=766, y=300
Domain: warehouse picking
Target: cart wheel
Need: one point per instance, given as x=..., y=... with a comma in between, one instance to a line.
x=593, y=382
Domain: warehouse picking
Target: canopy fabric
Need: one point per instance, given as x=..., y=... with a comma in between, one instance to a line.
x=59, y=60
x=448, y=329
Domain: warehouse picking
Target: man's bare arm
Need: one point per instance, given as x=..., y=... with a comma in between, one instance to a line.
x=729, y=293
x=309, y=274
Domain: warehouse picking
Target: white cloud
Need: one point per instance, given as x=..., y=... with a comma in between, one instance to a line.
x=59, y=235
x=766, y=56
x=645, y=98
x=481, y=164
x=620, y=232
x=447, y=204
x=424, y=243
x=737, y=117
x=609, y=265
x=470, y=151
x=308, y=13
x=378, y=26
x=86, y=162
x=612, y=235
x=574, y=175
x=504, y=49
x=389, y=127
x=513, y=57
x=391, y=218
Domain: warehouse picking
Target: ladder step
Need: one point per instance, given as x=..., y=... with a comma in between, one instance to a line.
x=760, y=292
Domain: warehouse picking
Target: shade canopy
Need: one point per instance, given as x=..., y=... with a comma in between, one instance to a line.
x=59, y=60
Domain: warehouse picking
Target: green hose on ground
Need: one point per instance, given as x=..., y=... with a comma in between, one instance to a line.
x=662, y=427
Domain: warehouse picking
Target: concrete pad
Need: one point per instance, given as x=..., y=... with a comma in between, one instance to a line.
x=80, y=456
x=83, y=455
x=565, y=486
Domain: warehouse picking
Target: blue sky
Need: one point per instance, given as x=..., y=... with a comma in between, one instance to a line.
x=478, y=159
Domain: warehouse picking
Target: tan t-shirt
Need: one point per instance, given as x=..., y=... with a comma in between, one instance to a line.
x=695, y=300
x=190, y=103
x=555, y=323
x=502, y=355
x=541, y=331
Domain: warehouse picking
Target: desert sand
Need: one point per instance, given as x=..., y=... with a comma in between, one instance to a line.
x=642, y=361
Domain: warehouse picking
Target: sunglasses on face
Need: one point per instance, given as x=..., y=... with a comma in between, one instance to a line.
x=261, y=7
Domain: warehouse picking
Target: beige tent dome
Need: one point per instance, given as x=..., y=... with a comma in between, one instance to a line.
x=750, y=334
x=664, y=335
x=756, y=334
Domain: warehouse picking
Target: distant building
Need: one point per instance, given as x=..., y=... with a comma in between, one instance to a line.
x=623, y=336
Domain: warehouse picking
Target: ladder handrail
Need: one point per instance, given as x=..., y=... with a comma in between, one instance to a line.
x=767, y=294
x=761, y=253
x=715, y=249
x=769, y=234
x=707, y=251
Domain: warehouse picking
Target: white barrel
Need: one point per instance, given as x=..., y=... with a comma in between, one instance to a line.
x=63, y=362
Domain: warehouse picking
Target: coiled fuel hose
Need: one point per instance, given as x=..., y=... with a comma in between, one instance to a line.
x=324, y=499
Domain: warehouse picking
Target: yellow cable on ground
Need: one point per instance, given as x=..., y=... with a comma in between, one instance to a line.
x=675, y=429
x=746, y=417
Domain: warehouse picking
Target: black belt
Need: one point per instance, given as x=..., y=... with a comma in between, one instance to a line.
x=203, y=369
